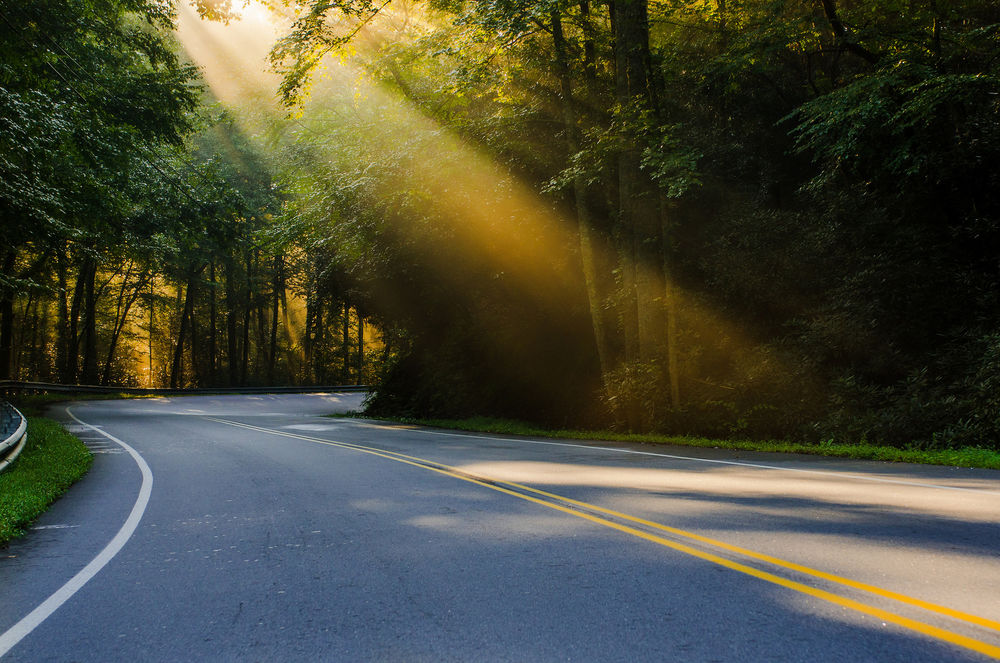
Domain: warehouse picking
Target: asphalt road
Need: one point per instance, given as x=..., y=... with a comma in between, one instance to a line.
x=251, y=528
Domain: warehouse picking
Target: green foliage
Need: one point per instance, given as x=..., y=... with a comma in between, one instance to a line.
x=666, y=157
x=817, y=180
x=959, y=457
x=91, y=92
x=118, y=184
x=792, y=221
x=952, y=403
x=321, y=28
x=905, y=126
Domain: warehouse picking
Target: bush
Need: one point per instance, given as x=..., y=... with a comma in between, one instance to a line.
x=953, y=403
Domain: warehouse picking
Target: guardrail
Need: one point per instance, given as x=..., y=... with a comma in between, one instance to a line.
x=15, y=385
x=14, y=430
x=14, y=427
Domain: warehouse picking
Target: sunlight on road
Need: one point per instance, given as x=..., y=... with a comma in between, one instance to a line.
x=701, y=484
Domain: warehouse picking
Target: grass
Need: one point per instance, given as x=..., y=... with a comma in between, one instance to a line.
x=52, y=461
x=964, y=457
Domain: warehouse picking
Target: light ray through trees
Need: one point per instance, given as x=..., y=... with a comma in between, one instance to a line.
x=418, y=170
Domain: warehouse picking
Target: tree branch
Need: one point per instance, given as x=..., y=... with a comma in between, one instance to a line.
x=843, y=38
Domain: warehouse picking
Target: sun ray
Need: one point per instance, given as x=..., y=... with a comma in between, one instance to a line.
x=491, y=216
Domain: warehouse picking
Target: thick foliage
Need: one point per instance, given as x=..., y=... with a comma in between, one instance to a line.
x=815, y=183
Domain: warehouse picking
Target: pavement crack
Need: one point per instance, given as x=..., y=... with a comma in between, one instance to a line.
x=239, y=611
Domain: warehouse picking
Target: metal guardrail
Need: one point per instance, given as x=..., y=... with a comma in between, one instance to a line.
x=14, y=432
x=14, y=427
x=15, y=385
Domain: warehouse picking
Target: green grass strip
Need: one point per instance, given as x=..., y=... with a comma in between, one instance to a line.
x=52, y=461
x=964, y=457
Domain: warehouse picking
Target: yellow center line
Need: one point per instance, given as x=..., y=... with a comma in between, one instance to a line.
x=777, y=561
x=990, y=650
x=854, y=584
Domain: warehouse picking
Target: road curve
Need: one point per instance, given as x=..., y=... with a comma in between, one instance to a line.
x=233, y=528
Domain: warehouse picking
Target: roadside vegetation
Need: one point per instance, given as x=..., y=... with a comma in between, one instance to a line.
x=768, y=219
x=962, y=457
x=52, y=461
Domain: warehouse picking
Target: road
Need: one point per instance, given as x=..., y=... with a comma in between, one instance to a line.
x=252, y=528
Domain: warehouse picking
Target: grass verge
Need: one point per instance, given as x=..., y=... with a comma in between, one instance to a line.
x=965, y=457
x=52, y=461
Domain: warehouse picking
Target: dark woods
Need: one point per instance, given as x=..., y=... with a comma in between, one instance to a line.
x=785, y=213
x=765, y=218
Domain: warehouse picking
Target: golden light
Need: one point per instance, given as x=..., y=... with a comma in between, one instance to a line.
x=491, y=216
x=233, y=57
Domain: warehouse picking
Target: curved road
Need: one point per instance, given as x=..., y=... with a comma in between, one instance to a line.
x=252, y=528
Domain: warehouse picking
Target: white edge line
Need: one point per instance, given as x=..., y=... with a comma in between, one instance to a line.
x=842, y=475
x=28, y=623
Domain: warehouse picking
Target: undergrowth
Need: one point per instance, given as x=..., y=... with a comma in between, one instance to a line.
x=960, y=457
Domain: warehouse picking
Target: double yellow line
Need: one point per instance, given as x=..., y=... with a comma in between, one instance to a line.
x=587, y=512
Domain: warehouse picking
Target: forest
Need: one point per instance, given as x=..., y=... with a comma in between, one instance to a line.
x=743, y=219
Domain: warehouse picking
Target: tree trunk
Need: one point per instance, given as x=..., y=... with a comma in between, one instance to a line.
x=245, y=359
x=88, y=373
x=113, y=340
x=672, y=309
x=307, y=338
x=843, y=35
x=194, y=337
x=149, y=337
x=232, y=341
x=639, y=231
x=262, y=335
x=7, y=321
x=291, y=357
x=7, y=337
x=73, y=341
x=245, y=346
x=386, y=354
x=580, y=197
x=177, y=366
x=346, y=345
x=627, y=173
x=635, y=89
x=42, y=342
x=275, y=300
x=212, y=329
x=361, y=350
x=62, y=318
x=589, y=50
x=723, y=26
x=319, y=326
x=121, y=318
x=27, y=337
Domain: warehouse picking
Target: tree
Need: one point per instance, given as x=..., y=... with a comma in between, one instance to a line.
x=92, y=90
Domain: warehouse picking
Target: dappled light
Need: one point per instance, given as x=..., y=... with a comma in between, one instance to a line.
x=502, y=527
x=695, y=482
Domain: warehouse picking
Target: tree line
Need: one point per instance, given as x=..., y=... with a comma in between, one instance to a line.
x=784, y=214
x=758, y=218
x=140, y=245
